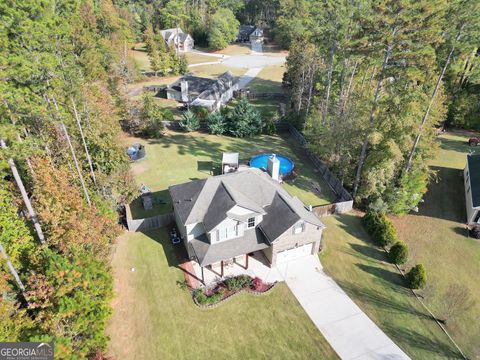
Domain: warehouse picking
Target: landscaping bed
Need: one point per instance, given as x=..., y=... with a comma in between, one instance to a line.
x=224, y=290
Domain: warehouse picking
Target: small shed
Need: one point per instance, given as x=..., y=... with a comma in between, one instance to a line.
x=229, y=162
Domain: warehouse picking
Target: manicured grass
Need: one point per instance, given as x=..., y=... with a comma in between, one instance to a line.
x=267, y=108
x=233, y=49
x=141, y=59
x=268, y=80
x=437, y=237
x=211, y=71
x=363, y=272
x=180, y=157
x=195, y=58
x=154, y=319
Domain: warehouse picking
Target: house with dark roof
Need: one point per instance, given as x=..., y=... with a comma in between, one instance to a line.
x=208, y=93
x=249, y=33
x=176, y=37
x=471, y=175
x=232, y=216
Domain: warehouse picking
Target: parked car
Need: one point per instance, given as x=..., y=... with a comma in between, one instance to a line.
x=473, y=141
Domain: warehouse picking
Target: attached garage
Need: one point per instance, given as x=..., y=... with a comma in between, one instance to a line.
x=294, y=253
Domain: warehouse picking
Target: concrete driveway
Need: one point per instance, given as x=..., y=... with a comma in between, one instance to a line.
x=344, y=325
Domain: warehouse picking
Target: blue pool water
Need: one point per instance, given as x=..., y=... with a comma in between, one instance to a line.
x=261, y=161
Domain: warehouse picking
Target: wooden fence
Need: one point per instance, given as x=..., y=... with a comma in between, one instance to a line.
x=344, y=202
x=150, y=223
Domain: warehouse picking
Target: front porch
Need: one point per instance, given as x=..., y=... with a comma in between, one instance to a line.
x=255, y=265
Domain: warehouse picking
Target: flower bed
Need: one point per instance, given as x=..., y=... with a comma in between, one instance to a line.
x=212, y=297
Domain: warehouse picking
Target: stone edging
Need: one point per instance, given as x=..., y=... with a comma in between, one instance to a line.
x=241, y=291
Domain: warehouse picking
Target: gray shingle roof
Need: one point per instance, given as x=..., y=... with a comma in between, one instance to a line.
x=474, y=174
x=184, y=197
x=207, y=253
x=279, y=218
x=222, y=201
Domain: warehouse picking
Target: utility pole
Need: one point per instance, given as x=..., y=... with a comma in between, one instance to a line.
x=26, y=199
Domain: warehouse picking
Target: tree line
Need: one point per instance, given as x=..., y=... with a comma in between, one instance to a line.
x=64, y=70
x=371, y=80
x=212, y=23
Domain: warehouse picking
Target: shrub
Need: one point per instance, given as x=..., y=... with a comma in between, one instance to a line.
x=380, y=228
x=189, y=122
x=238, y=282
x=257, y=284
x=203, y=299
x=216, y=124
x=244, y=120
x=417, y=277
x=200, y=112
x=269, y=127
x=398, y=253
x=152, y=116
x=167, y=115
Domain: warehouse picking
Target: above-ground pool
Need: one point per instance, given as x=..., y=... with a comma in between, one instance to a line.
x=261, y=162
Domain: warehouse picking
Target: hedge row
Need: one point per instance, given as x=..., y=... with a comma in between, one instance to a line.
x=384, y=234
x=380, y=228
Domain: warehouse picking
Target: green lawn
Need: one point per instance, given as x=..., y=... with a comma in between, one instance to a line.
x=180, y=157
x=154, y=319
x=211, y=71
x=362, y=271
x=268, y=80
x=141, y=59
x=232, y=49
x=196, y=58
x=437, y=237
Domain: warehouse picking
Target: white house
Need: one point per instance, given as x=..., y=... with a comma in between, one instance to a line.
x=176, y=37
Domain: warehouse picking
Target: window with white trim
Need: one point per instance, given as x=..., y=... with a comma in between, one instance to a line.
x=298, y=228
x=251, y=222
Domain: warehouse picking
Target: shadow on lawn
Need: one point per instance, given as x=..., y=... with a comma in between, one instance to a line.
x=420, y=341
x=162, y=204
x=455, y=145
x=176, y=255
x=369, y=251
x=378, y=299
x=445, y=198
x=387, y=275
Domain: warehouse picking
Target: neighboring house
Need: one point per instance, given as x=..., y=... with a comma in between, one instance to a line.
x=471, y=175
x=256, y=35
x=176, y=37
x=229, y=217
x=208, y=93
x=249, y=33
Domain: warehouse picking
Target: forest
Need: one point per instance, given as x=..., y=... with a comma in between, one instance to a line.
x=370, y=85
x=373, y=82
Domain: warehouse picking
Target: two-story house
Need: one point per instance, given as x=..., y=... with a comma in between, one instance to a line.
x=231, y=216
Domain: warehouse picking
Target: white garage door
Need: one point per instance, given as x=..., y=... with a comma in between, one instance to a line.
x=294, y=253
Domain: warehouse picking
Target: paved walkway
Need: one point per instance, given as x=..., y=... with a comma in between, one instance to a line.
x=349, y=331
x=248, y=76
x=205, y=63
x=257, y=48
